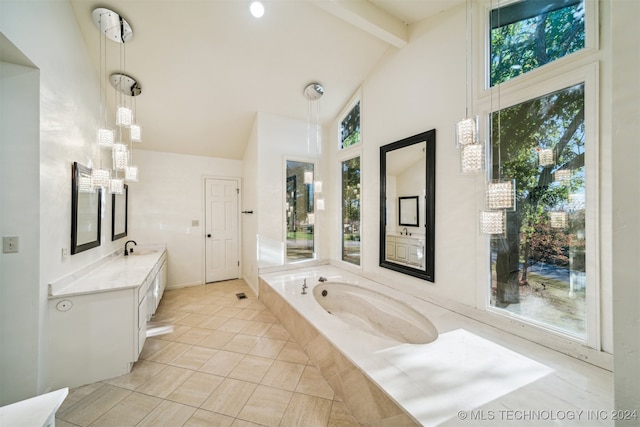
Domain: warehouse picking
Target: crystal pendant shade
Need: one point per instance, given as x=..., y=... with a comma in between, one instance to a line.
x=100, y=178
x=135, y=133
x=317, y=187
x=120, y=156
x=308, y=177
x=466, y=132
x=116, y=186
x=472, y=158
x=131, y=173
x=493, y=222
x=558, y=219
x=124, y=116
x=545, y=157
x=562, y=175
x=105, y=138
x=501, y=195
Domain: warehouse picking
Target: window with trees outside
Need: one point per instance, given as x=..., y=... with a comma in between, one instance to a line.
x=538, y=268
x=351, y=210
x=299, y=211
x=350, y=127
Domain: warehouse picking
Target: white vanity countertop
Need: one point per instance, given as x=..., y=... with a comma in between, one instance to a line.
x=110, y=273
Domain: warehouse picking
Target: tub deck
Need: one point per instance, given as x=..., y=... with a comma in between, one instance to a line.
x=460, y=371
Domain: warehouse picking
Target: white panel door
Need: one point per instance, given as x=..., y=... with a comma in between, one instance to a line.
x=222, y=233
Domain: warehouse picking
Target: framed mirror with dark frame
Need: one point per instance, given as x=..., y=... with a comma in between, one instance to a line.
x=86, y=207
x=407, y=205
x=119, y=214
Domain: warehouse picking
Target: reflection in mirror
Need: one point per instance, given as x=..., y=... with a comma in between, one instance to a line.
x=299, y=211
x=407, y=205
x=408, y=211
x=119, y=208
x=86, y=203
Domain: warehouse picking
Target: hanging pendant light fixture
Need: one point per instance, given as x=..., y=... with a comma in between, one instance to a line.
x=472, y=158
x=545, y=157
x=493, y=222
x=501, y=194
x=313, y=92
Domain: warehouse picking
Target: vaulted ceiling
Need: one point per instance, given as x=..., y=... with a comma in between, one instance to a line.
x=206, y=67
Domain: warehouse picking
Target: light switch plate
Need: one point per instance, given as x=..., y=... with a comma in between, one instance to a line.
x=10, y=244
x=195, y=223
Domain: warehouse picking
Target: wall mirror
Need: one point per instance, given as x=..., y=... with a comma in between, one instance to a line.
x=86, y=205
x=299, y=211
x=119, y=210
x=407, y=205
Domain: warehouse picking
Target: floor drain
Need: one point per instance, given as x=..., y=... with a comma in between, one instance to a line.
x=241, y=295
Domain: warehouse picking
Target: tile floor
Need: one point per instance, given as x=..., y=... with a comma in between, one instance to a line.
x=228, y=362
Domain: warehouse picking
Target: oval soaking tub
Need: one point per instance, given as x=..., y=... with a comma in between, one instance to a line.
x=375, y=313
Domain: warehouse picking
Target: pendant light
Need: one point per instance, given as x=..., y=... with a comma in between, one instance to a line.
x=313, y=92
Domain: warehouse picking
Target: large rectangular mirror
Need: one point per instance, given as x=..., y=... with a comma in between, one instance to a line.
x=407, y=205
x=119, y=210
x=86, y=205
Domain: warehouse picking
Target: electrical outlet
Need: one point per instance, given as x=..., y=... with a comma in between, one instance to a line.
x=64, y=254
x=10, y=244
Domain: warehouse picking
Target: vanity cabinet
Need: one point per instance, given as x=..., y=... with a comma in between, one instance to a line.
x=405, y=250
x=98, y=333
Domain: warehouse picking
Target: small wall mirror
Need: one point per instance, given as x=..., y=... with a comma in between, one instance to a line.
x=407, y=205
x=408, y=211
x=119, y=210
x=86, y=205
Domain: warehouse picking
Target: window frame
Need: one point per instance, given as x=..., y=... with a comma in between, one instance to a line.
x=352, y=154
x=355, y=99
x=578, y=67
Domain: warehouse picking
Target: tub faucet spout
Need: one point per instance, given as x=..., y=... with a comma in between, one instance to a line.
x=322, y=279
x=304, y=287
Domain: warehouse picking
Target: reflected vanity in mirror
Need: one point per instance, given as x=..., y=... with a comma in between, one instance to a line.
x=407, y=205
x=119, y=209
x=86, y=205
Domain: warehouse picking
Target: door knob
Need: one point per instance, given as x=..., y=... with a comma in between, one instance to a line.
x=208, y=235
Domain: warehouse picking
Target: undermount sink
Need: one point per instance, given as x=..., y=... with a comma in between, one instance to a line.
x=142, y=251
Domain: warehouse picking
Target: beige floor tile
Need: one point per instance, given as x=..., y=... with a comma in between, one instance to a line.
x=213, y=322
x=177, y=331
x=196, y=389
x=256, y=328
x=202, y=418
x=292, y=352
x=241, y=343
x=228, y=311
x=193, y=336
x=77, y=394
x=142, y=371
x=94, y=405
x=313, y=384
x=63, y=423
x=278, y=332
x=283, y=375
x=242, y=423
x=152, y=345
x=193, y=319
x=267, y=347
x=230, y=397
x=266, y=316
x=222, y=363
x=169, y=352
x=129, y=411
x=233, y=325
x=165, y=382
x=194, y=358
x=266, y=406
x=308, y=411
x=247, y=314
x=217, y=339
x=340, y=416
x=168, y=414
x=251, y=368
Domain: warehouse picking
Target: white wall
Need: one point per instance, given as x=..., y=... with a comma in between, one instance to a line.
x=249, y=222
x=625, y=108
x=68, y=108
x=167, y=198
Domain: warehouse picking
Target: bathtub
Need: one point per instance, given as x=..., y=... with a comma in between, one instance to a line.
x=374, y=313
x=393, y=359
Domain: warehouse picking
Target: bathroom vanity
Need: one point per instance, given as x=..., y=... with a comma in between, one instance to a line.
x=405, y=249
x=98, y=315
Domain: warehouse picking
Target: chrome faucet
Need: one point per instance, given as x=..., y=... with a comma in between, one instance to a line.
x=126, y=252
x=304, y=287
x=405, y=231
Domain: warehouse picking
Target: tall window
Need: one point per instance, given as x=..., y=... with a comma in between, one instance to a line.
x=351, y=210
x=529, y=34
x=538, y=268
x=299, y=211
x=350, y=127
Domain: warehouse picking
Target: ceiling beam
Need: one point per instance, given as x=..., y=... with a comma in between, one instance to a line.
x=367, y=17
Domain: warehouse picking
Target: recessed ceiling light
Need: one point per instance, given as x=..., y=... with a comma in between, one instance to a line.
x=257, y=9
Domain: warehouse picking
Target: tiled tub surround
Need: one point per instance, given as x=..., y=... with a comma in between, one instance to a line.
x=98, y=315
x=469, y=367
